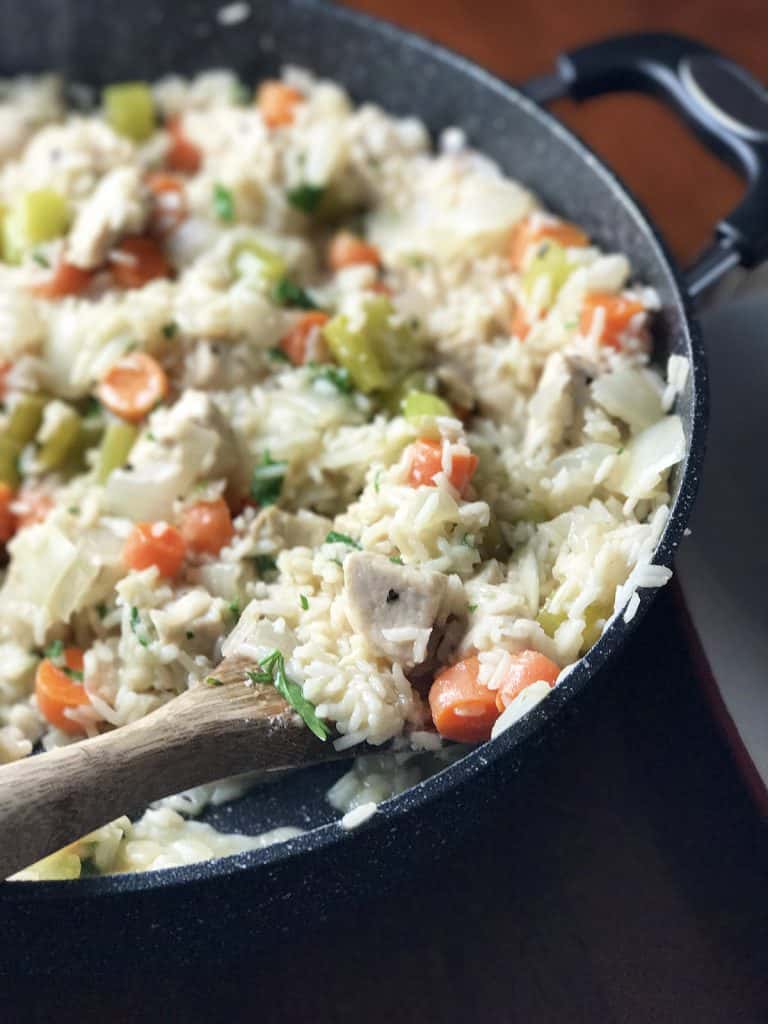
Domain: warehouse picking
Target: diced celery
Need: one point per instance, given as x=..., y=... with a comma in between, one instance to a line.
x=550, y=621
x=376, y=353
x=9, y=461
x=355, y=351
x=130, y=109
x=393, y=400
x=55, y=449
x=60, y=865
x=37, y=217
x=248, y=256
x=116, y=444
x=89, y=435
x=550, y=261
x=25, y=418
x=594, y=620
x=417, y=404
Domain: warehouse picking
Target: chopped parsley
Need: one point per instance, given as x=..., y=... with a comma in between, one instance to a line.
x=73, y=510
x=223, y=203
x=234, y=609
x=337, y=376
x=272, y=671
x=171, y=329
x=73, y=673
x=92, y=407
x=41, y=259
x=264, y=564
x=101, y=610
x=189, y=635
x=136, y=625
x=288, y=293
x=619, y=451
x=304, y=601
x=468, y=540
x=377, y=480
x=341, y=538
x=267, y=480
x=471, y=607
x=306, y=198
x=54, y=650
x=396, y=559
x=213, y=681
x=277, y=355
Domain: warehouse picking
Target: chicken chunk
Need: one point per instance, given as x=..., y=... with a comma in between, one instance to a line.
x=289, y=529
x=555, y=404
x=117, y=207
x=396, y=608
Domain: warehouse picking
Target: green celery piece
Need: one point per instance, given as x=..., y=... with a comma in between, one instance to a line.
x=116, y=445
x=25, y=418
x=417, y=404
x=54, y=451
x=38, y=216
x=130, y=109
x=271, y=266
x=89, y=435
x=9, y=462
x=393, y=400
x=551, y=260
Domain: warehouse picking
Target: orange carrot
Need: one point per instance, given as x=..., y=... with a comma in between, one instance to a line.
x=527, y=667
x=427, y=462
x=520, y=325
x=66, y=279
x=532, y=230
x=138, y=260
x=157, y=544
x=276, y=102
x=169, y=203
x=462, y=708
x=133, y=386
x=31, y=505
x=5, y=369
x=617, y=311
x=296, y=342
x=183, y=155
x=57, y=691
x=7, y=516
x=207, y=526
x=346, y=250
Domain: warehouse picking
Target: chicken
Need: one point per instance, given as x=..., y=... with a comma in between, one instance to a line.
x=396, y=608
x=288, y=529
x=555, y=405
x=116, y=207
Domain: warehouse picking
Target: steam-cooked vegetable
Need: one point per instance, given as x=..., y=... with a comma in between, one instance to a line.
x=130, y=109
x=115, y=447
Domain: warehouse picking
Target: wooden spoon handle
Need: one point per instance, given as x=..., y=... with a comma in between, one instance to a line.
x=51, y=799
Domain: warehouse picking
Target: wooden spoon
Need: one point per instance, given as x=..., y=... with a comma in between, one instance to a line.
x=51, y=799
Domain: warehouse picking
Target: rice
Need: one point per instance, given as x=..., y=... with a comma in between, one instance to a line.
x=520, y=512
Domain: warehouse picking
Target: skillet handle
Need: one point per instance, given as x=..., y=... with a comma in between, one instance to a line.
x=723, y=104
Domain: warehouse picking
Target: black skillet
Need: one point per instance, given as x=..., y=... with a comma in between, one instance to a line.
x=199, y=908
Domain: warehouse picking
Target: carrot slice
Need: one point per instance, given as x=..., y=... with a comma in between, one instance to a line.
x=296, y=342
x=7, y=516
x=157, y=544
x=532, y=230
x=183, y=155
x=138, y=260
x=133, y=386
x=277, y=102
x=66, y=279
x=527, y=667
x=346, y=250
x=56, y=691
x=521, y=325
x=617, y=313
x=169, y=202
x=427, y=462
x=462, y=708
x=5, y=369
x=207, y=526
x=32, y=505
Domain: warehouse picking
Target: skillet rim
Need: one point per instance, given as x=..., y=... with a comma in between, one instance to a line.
x=545, y=714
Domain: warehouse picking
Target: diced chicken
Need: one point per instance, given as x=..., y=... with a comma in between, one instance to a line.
x=288, y=529
x=554, y=406
x=395, y=607
x=118, y=206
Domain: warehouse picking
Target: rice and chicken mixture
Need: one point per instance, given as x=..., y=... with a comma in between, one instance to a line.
x=280, y=379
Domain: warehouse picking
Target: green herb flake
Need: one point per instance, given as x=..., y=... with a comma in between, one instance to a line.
x=223, y=203
x=234, y=609
x=54, y=650
x=288, y=293
x=277, y=355
x=213, y=681
x=189, y=634
x=468, y=540
x=41, y=259
x=171, y=329
x=151, y=436
x=73, y=673
x=92, y=407
x=101, y=610
x=306, y=198
x=136, y=625
x=267, y=480
x=73, y=510
x=337, y=376
x=264, y=564
x=396, y=559
x=341, y=538
x=620, y=451
x=304, y=602
x=377, y=480
x=272, y=670
x=471, y=608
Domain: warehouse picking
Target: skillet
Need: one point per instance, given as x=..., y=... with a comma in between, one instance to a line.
x=264, y=893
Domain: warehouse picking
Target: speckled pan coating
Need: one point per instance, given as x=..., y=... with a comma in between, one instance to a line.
x=266, y=893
